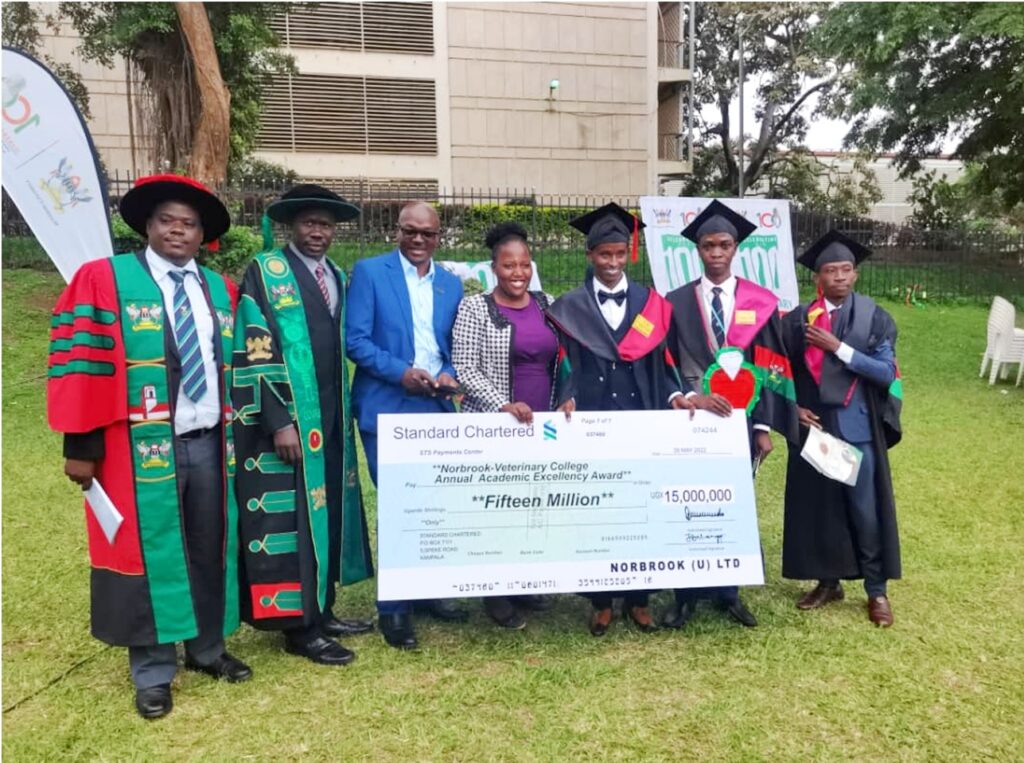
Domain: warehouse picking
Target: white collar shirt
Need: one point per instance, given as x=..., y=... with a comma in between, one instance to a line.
x=312, y=263
x=613, y=312
x=205, y=413
x=727, y=297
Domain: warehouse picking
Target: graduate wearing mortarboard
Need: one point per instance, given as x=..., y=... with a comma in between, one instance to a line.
x=716, y=315
x=842, y=350
x=614, y=333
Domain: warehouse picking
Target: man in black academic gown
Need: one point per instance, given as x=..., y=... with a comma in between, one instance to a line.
x=295, y=442
x=717, y=311
x=614, y=331
x=842, y=347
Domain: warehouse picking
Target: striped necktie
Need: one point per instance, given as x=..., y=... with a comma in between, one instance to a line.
x=193, y=376
x=717, y=316
x=321, y=281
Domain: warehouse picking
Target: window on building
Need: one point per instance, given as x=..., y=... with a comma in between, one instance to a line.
x=349, y=115
x=370, y=27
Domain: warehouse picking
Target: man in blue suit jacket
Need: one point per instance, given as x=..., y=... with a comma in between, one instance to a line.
x=401, y=309
x=842, y=349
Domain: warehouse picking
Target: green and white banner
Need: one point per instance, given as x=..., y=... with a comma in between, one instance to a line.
x=50, y=169
x=765, y=257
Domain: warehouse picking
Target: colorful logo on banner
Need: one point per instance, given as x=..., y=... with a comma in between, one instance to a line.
x=50, y=169
x=765, y=257
x=63, y=187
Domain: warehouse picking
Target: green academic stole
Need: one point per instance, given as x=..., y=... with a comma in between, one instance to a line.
x=151, y=439
x=282, y=292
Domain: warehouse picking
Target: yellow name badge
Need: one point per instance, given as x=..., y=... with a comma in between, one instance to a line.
x=746, y=317
x=643, y=326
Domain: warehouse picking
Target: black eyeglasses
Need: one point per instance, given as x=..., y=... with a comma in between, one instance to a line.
x=428, y=235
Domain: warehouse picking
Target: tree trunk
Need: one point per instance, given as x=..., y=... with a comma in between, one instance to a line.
x=211, y=136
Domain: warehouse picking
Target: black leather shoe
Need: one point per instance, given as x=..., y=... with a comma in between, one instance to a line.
x=443, y=609
x=739, y=612
x=154, y=702
x=679, y=615
x=335, y=627
x=227, y=667
x=321, y=650
x=398, y=632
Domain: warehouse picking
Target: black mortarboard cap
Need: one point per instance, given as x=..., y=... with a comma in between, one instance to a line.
x=611, y=224
x=718, y=218
x=833, y=247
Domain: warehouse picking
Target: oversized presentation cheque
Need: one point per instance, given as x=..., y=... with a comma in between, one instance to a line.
x=480, y=505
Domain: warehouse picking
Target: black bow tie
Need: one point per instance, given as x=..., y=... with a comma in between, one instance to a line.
x=604, y=296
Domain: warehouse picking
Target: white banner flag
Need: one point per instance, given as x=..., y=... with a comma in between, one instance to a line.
x=49, y=166
x=765, y=257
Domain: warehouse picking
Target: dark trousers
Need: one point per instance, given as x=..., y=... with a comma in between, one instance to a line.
x=200, y=491
x=370, y=446
x=334, y=470
x=862, y=508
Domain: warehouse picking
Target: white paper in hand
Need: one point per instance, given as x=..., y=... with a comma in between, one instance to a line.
x=104, y=510
x=832, y=457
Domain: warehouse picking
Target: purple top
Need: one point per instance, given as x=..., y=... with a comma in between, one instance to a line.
x=533, y=352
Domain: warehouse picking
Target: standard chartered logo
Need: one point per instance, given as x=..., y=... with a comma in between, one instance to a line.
x=550, y=432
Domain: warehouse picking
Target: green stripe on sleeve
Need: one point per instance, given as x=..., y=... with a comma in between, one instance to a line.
x=96, y=314
x=83, y=339
x=91, y=367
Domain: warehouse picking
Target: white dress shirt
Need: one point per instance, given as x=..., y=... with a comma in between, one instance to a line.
x=421, y=300
x=728, y=299
x=844, y=352
x=613, y=313
x=206, y=413
x=312, y=263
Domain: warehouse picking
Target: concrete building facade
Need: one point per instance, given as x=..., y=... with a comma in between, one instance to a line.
x=557, y=98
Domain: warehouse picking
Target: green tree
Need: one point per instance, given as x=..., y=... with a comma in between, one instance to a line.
x=149, y=35
x=22, y=28
x=918, y=75
x=777, y=58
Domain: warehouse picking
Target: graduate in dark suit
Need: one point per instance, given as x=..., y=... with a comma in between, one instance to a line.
x=614, y=332
x=717, y=313
x=842, y=347
x=302, y=527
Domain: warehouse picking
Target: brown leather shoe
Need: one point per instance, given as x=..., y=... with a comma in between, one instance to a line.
x=641, y=618
x=879, y=611
x=819, y=596
x=600, y=621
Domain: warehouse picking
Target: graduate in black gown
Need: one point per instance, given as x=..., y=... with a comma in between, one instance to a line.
x=716, y=313
x=842, y=347
x=613, y=332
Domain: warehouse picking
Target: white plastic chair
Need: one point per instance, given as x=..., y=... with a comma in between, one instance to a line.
x=1020, y=371
x=1005, y=342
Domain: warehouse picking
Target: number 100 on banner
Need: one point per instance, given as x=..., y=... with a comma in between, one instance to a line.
x=480, y=505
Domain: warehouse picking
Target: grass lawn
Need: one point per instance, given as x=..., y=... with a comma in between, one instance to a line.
x=945, y=683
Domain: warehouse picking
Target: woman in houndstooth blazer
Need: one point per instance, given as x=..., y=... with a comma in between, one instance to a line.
x=505, y=352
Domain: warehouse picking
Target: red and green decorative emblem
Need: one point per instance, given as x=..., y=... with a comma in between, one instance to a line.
x=276, y=600
x=145, y=317
x=316, y=440
x=154, y=454
x=734, y=379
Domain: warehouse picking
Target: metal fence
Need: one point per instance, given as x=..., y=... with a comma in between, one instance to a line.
x=907, y=262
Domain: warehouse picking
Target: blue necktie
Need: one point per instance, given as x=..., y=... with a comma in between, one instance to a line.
x=193, y=377
x=717, y=316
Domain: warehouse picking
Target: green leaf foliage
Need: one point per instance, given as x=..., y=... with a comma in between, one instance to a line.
x=919, y=75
